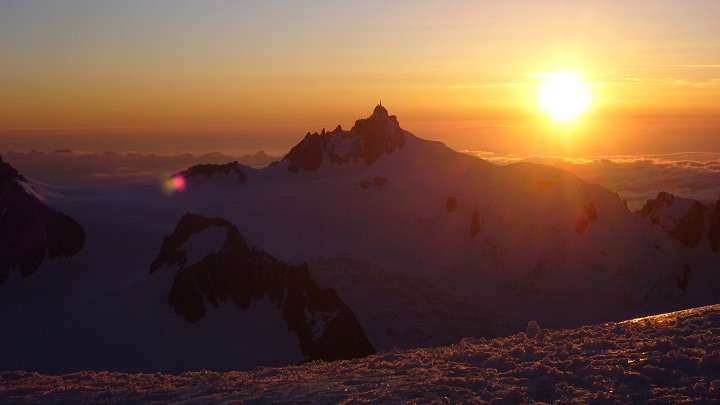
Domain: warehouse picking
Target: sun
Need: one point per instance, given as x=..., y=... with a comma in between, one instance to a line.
x=564, y=96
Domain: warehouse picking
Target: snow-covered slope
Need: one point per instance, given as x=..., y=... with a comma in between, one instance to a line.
x=424, y=244
x=30, y=230
x=214, y=264
x=104, y=310
x=670, y=358
x=686, y=220
x=448, y=245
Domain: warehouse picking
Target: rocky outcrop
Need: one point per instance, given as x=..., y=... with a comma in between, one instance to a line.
x=210, y=170
x=368, y=140
x=590, y=216
x=714, y=231
x=451, y=204
x=682, y=219
x=377, y=181
x=475, y=224
x=682, y=277
x=308, y=154
x=31, y=231
x=327, y=329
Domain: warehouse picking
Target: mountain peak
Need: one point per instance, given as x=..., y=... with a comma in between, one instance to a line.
x=682, y=218
x=380, y=119
x=30, y=230
x=368, y=139
x=8, y=175
x=380, y=110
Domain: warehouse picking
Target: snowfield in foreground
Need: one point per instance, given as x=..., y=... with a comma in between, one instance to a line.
x=668, y=358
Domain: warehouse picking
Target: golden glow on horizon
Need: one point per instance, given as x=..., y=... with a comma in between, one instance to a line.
x=251, y=73
x=564, y=96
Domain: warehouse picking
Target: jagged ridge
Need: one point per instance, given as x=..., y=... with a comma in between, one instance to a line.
x=327, y=328
x=368, y=139
x=209, y=170
x=687, y=223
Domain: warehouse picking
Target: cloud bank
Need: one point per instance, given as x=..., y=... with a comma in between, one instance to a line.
x=77, y=169
x=637, y=178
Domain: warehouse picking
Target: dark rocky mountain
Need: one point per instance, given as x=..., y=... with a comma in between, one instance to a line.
x=714, y=231
x=326, y=328
x=210, y=170
x=368, y=139
x=31, y=231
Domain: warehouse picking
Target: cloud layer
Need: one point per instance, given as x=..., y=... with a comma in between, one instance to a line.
x=72, y=168
x=637, y=178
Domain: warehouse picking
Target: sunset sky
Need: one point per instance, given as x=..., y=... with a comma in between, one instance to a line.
x=259, y=74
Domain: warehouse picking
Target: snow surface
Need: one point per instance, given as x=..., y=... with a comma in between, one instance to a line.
x=669, y=358
x=102, y=309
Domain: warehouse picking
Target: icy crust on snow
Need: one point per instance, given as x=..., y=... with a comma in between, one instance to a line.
x=669, y=358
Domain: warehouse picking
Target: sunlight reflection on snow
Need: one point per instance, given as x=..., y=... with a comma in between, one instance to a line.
x=668, y=317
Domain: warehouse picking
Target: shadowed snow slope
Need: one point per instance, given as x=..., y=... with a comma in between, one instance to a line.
x=216, y=264
x=671, y=358
x=30, y=230
x=449, y=245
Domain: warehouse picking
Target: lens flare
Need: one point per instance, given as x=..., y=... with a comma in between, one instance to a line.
x=174, y=183
x=178, y=183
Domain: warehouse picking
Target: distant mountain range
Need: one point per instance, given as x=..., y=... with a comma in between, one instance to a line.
x=402, y=241
x=114, y=169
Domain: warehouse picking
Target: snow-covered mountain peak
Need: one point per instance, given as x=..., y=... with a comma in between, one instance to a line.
x=8, y=175
x=210, y=170
x=368, y=140
x=30, y=230
x=682, y=218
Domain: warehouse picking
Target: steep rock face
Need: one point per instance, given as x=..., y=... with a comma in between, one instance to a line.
x=682, y=219
x=714, y=231
x=30, y=231
x=210, y=170
x=228, y=267
x=584, y=222
x=368, y=139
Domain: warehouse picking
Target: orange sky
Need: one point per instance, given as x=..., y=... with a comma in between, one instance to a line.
x=461, y=72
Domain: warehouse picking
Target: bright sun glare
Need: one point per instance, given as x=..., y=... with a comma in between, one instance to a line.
x=564, y=96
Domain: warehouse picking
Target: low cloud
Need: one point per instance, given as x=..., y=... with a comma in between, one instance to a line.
x=637, y=178
x=75, y=168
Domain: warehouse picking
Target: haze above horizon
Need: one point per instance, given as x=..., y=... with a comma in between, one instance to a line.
x=264, y=73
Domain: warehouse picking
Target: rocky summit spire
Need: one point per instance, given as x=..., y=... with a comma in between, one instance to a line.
x=368, y=140
x=380, y=110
